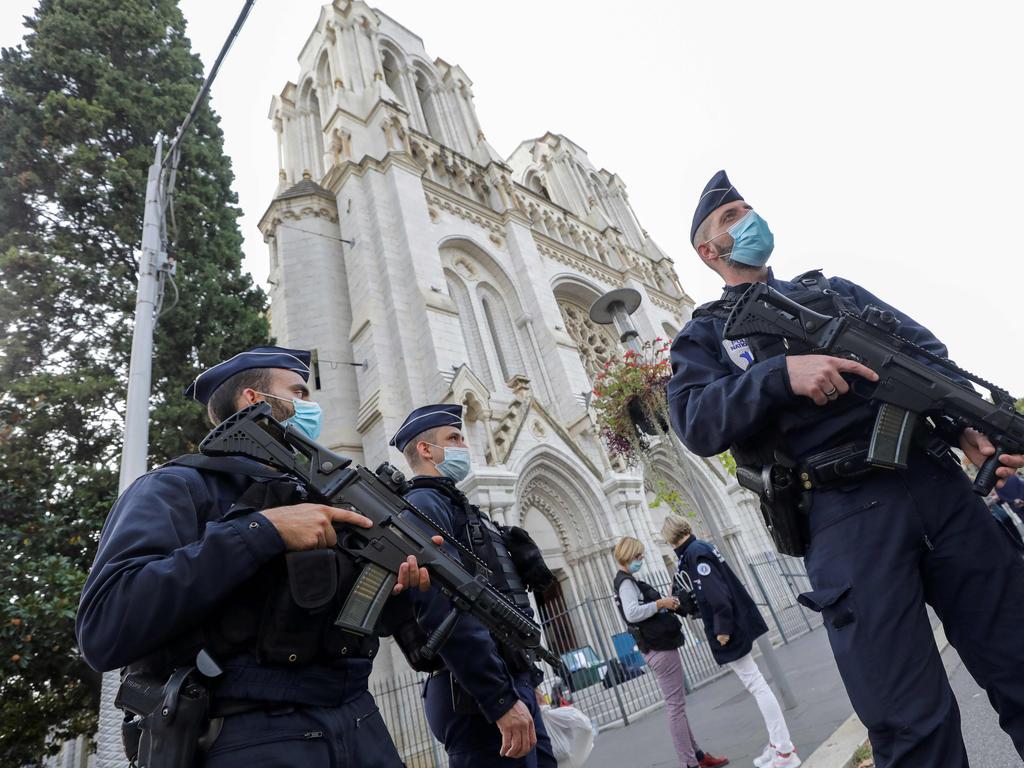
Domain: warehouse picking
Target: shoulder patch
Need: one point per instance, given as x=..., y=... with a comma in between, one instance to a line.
x=703, y=569
x=739, y=352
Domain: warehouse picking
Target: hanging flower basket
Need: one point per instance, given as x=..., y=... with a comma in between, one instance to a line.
x=639, y=416
x=630, y=400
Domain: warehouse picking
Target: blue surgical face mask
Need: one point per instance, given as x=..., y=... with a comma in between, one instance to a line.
x=752, y=241
x=635, y=566
x=456, y=463
x=308, y=417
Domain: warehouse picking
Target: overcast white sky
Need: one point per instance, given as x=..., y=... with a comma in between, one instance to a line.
x=880, y=140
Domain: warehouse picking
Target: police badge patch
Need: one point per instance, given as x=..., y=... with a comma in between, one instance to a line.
x=739, y=352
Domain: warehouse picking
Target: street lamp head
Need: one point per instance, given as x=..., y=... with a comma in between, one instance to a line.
x=616, y=307
x=603, y=310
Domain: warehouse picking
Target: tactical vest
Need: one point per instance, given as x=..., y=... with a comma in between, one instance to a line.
x=814, y=292
x=487, y=542
x=660, y=632
x=285, y=613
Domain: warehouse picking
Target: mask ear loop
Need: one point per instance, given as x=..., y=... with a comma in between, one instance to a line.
x=284, y=399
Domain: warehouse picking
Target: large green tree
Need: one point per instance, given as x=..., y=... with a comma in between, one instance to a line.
x=81, y=101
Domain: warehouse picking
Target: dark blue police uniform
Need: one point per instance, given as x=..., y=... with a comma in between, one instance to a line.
x=726, y=607
x=471, y=657
x=174, y=553
x=881, y=546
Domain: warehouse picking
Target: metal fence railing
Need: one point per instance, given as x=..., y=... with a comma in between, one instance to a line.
x=607, y=676
x=777, y=580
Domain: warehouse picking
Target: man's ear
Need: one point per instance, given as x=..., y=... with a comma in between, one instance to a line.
x=707, y=253
x=246, y=397
x=423, y=451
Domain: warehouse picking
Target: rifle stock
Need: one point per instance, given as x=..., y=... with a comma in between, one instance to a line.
x=907, y=388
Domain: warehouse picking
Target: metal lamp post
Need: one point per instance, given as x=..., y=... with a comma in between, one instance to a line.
x=615, y=308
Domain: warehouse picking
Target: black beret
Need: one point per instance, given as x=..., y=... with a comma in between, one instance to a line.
x=717, y=193
x=427, y=417
x=206, y=383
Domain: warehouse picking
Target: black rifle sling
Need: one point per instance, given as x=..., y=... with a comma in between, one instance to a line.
x=487, y=543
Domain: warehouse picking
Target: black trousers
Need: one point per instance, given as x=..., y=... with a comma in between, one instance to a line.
x=472, y=741
x=879, y=551
x=350, y=736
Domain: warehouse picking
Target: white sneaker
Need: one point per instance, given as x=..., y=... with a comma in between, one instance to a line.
x=788, y=759
x=764, y=760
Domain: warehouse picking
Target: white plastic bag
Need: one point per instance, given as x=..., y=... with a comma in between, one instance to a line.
x=571, y=733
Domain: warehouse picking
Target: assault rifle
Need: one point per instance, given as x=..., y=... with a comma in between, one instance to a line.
x=907, y=388
x=399, y=530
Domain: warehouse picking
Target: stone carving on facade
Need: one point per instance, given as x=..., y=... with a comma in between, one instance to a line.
x=465, y=268
x=509, y=423
x=341, y=146
x=596, y=343
x=532, y=499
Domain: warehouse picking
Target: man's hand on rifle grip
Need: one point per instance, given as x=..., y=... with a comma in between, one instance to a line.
x=311, y=526
x=412, y=577
x=977, y=448
x=820, y=377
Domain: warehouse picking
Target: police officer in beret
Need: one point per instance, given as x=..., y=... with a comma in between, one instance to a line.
x=204, y=555
x=480, y=703
x=881, y=543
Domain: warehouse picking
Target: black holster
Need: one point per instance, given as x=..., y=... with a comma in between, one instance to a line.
x=164, y=721
x=783, y=505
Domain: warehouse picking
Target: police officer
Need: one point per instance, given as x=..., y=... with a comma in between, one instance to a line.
x=732, y=622
x=481, y=704
x=193, y=557
x=882, y=543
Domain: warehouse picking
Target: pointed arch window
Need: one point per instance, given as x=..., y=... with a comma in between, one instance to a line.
x=392, y=74
x=312, y=137
x=502, y=333
x=535, y=183
x=427, y=99
x=470, y=329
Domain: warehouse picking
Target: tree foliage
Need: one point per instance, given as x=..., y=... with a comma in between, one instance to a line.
x=81, y=101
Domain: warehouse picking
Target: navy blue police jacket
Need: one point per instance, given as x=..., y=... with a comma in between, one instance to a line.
x=718, y=395
x=726, y=607
x=167, y=563
x=470, y=653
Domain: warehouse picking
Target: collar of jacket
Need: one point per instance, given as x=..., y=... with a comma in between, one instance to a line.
x=683, y=547
x=737, y=289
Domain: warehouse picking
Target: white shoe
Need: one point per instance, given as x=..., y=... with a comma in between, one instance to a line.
x=788, y=759
x=764, y=760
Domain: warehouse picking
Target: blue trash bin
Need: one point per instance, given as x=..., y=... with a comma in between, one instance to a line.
x=626, y=650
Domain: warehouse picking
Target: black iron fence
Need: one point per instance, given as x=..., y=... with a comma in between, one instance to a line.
x=605, y=674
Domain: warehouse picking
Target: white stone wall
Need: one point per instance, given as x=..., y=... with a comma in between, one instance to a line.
x=380, y=145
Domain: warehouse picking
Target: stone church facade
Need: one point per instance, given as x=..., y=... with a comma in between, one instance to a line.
x=422, y=266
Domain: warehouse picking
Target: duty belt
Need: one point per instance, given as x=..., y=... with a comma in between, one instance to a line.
x=834, y=466
x=849, y=461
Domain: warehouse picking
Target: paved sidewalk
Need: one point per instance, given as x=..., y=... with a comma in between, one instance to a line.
x=726, y=720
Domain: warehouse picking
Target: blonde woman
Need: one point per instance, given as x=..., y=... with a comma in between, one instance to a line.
x=732, y=622
x=658, y=634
